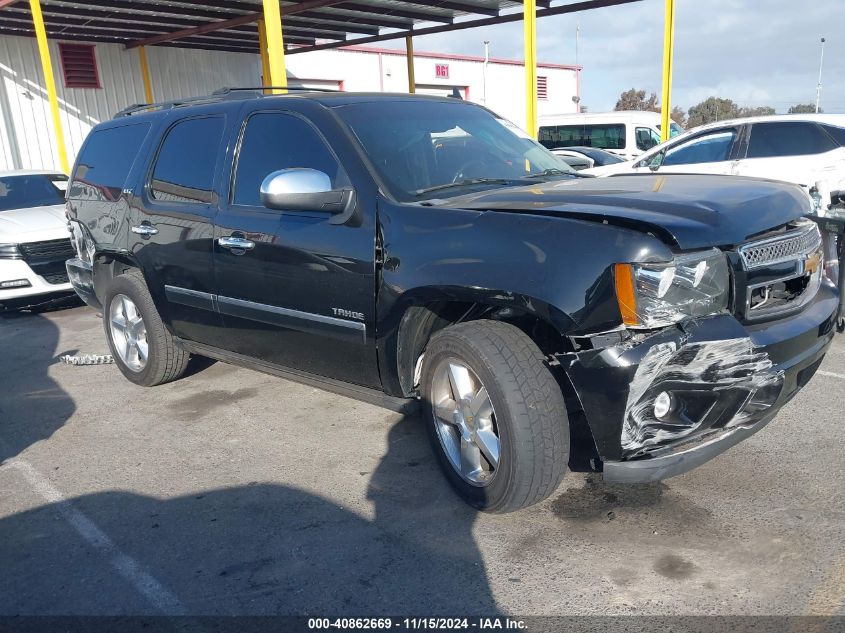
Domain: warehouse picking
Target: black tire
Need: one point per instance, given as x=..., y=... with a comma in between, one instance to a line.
x=166, y=361
x=530, y=413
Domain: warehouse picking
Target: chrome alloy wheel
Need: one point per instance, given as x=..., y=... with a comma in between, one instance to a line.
x=128, y=332
x=465, y=421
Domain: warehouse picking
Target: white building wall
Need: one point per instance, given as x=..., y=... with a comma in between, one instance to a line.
x=26, y=130
x=373, y=69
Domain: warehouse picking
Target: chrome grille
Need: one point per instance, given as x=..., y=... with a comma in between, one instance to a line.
x=781, y=274
x=784, y=248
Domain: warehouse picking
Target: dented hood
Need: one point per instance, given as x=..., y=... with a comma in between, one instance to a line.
x=693, y=211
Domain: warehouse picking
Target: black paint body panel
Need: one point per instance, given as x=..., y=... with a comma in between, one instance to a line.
x=545, y=250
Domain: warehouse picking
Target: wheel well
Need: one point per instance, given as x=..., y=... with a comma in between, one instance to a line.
x=420, y=323
x=106, y=268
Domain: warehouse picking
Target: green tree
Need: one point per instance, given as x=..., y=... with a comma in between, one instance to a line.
x=759, y=111
x=634, y=99
x=679, y=116
x=803, y=108
x=710, y=110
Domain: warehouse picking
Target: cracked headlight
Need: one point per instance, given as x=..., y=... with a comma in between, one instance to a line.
x=657, y=295
x=82, y=242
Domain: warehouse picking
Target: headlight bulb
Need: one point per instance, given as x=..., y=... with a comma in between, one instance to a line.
x=666, y=279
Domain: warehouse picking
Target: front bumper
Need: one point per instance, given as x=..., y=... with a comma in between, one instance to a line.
x=37, y=292
x=726, y=382
x=81, y=277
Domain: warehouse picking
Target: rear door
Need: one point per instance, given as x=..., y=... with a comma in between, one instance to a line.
x=171, y=234
x=800, y=152
x=302, y=294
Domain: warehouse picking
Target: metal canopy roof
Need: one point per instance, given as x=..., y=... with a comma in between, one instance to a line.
x=229, y=25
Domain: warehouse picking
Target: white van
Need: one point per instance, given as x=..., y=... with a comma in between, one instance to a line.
x=627, y=133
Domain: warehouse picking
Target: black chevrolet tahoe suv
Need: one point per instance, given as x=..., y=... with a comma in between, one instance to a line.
x=401, y=248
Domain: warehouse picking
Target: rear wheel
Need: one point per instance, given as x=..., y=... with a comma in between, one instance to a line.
x=143, y=349
x=495, y=415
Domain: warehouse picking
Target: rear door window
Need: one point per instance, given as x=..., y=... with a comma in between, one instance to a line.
x=603, y=136
x=184, y=169
x=787, y=139
x=836, y=133
x=106, y=158
x=709, y=148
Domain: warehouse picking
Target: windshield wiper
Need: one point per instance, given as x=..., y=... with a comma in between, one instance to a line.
x=465, y=182
x=553, y=172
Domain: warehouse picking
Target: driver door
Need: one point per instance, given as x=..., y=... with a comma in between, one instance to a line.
x=301, y=292
x=711, y=152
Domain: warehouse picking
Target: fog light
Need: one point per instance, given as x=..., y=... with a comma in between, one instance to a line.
x=662, y=405
x=15, y=283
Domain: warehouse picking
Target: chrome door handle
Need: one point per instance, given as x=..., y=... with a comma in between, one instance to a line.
x=236, y=243
x=145, y=229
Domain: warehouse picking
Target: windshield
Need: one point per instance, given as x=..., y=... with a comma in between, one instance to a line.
x=31, y=190
x=431, y=149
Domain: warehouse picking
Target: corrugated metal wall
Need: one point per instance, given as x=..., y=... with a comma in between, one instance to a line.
x=26, y=131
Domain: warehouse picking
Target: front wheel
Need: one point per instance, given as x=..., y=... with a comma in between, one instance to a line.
x=495, y=415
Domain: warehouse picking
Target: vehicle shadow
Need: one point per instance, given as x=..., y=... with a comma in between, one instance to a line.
x=259, y=549
x=32, y=405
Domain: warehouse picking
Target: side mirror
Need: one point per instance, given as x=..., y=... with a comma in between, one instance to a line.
x=657, y=160
x=303, y=189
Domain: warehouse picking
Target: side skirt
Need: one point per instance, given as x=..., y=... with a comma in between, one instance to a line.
x=406, y=406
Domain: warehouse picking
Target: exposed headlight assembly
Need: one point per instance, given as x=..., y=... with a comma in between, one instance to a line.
x=10, y=251
x=657, y=295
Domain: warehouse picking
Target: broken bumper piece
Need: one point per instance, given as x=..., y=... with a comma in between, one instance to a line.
x=81, y=278
x=664, y=405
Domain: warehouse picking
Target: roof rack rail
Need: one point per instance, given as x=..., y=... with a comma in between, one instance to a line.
x=222, y=94
x=262, y=88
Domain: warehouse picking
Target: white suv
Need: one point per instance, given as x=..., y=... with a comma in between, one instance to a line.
x=807, y=150
x=34, y=239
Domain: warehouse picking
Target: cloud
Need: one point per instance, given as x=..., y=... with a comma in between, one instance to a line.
x=756, y=53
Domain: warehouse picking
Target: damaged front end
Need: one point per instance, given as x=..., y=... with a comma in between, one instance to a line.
x=662, y=400
x=685, y=388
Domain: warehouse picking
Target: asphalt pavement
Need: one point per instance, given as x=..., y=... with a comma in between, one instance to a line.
x=235, y=492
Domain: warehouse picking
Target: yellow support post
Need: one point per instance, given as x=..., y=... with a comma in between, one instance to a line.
x=275, y=45
x=668, y=55
x=529, y=20
x=49, y=80
x=265, y=59
x=145, y=74
x=409, y=56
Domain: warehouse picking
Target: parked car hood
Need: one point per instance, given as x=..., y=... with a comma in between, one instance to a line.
x=33, y=224
x=624, y=167
x=693, y=211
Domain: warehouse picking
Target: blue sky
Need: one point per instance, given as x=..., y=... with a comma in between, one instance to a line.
x=756, y=52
